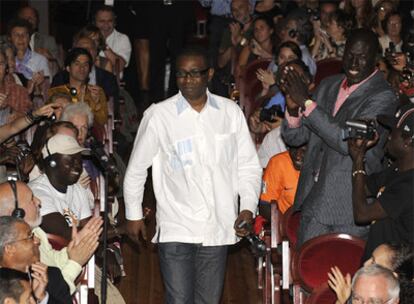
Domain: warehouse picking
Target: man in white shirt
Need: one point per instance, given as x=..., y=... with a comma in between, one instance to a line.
x=64, y=201
x=202, y=159
x=118, y=46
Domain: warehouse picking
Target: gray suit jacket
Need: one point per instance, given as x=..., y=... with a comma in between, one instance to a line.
x=325, y=189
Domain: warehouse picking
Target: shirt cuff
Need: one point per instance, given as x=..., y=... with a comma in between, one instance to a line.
x=45, y=299
x=293, y=122
x=309, y=109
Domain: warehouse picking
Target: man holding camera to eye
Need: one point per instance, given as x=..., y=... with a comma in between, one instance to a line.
x=324, y=190
x=391, y=213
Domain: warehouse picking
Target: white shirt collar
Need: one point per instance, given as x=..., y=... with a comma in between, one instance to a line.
x=183, y=104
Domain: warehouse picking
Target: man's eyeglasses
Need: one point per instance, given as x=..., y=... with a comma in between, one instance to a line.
x=30, y=237
x=191, y=74
x=358, y=300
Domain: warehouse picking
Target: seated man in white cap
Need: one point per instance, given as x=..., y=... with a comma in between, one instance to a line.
x=64, y=202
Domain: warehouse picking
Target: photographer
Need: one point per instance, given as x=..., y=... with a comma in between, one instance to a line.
x=21, y=123
x=391, y=212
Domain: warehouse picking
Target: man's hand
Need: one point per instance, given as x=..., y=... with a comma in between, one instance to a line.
x=40, y=280
x=84, y=180
x=357, y=147
x=136, y=228
x=247, y=217
x=46, y=111
x=81, y=251
x=295, y=86
x=235, y=31
x=110, y=55
x=94, y=226
x=340, y=284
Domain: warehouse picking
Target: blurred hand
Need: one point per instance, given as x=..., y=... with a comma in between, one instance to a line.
x=266, y=77
x=247, y=217
x=235, y=31
x=40, y=280
x=38, y=78
x=358, y=147
x=94, y=90
x=84, y=180
x=45, y=52
x=81, y=251
x=94, y=226
x=340, y=284
x=135, y=229
x=109, y=53
x=45, y=111
x=9, y=155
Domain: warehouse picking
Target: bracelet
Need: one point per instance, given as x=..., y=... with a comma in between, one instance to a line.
x=31, y=118
x=356, y=172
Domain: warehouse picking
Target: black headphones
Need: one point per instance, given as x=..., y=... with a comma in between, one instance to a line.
x=17, y=212
x=52, y=163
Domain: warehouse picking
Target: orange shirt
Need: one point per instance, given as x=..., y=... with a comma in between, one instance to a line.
x=280, y=180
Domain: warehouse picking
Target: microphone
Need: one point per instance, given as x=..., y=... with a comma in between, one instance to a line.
x=98, y=153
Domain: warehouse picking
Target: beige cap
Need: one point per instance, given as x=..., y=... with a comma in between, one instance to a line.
x=62, y=144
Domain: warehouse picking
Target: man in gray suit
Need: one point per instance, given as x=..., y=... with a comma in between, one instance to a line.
x=324, y=189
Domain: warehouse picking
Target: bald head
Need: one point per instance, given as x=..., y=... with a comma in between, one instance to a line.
x=25, y=200
x=366, y=36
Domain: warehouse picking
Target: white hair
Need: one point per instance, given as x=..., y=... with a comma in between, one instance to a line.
x=79, y=108
x=373, y=270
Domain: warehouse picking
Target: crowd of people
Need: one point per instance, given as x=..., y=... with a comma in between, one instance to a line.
x=340, y=151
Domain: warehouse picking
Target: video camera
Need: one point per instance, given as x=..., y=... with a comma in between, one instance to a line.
x=363, y=129
x=257, y=245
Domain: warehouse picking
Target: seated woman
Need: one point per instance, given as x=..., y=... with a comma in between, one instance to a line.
x=392, y=41
x=262, y=44
x=381, y=10
x=14, y=98
x=287, y=51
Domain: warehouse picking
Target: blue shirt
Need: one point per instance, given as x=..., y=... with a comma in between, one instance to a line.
x=221, y=7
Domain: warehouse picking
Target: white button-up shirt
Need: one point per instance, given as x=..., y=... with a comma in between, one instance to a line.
x=120, y=44
x=201, y=162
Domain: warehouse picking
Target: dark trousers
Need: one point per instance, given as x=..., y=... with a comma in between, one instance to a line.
x=192, y=273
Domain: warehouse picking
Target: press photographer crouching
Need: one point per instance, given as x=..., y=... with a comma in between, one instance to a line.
x=391, y=213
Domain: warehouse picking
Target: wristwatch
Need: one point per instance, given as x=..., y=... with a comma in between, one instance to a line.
x=308, y=102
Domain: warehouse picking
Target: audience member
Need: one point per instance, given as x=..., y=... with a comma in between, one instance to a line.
x=14, y=98
x=330, y=42
x=39, y=42
x=381, y=9
x=298, y=28
x=118, y=46
x=280, y=180
x=392, y=41
x=397, y=258
x=78, y=64
x=324, y=190
x=261, y=45
x=97, y=76
x=375, y=284
x=391, y=213
x=64, y=202
x=15, y=287
x=360, y=11
x=70, y=259
x=33, y=66
x=234, y=38
x=92, y=32
x=202, y=230
x=19, y=249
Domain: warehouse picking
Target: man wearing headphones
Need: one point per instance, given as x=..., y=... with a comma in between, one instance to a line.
x=17, y=200
x=64, y=201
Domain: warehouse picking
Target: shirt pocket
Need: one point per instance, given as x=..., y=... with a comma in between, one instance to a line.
x=225, y=148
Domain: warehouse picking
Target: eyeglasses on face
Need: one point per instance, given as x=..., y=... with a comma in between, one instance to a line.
x=358, y=300
x=30, y=237
x=191, y=74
